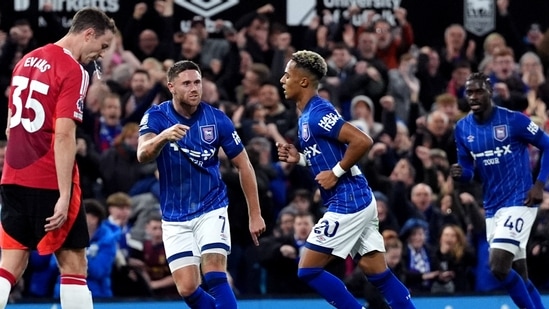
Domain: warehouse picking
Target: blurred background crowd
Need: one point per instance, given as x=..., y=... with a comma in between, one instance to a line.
x=407, y=97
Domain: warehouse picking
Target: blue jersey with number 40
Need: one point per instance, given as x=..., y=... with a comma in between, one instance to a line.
x=497, y=149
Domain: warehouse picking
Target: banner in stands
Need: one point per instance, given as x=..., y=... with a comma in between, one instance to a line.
x=429, y=18
x=479, y=16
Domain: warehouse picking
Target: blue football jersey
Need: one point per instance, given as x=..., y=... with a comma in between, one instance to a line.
x=319, y=126
x=190, y=180
x=497, y=150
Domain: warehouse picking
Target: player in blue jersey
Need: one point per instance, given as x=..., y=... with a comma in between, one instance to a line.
x=184, y=135
x=493, y=142
x=331, y=148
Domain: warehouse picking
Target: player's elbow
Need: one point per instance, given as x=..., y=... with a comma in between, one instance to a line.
x=142, y=156
x=365, y=143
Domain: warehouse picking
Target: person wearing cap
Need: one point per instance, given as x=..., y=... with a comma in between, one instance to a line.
x=363, y=113
x=418, y=256
x=387, y=221
x=214, y=46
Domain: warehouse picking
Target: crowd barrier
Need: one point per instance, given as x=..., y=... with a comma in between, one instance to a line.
x=436, y=302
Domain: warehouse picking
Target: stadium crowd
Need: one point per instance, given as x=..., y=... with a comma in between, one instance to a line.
x=406, y=97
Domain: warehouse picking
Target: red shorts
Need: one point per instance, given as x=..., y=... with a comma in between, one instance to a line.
x=24, y=213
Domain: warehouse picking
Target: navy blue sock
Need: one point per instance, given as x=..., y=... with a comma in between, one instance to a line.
x=329, y=287
x=396, y=294
x=534, y=295
x=220, y=289
x=200, y=299
x=517, y=290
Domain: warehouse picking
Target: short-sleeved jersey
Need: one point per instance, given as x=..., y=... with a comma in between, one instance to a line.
x=319, y=127
x=497, y=150
x=47, y=84
x=190, y=180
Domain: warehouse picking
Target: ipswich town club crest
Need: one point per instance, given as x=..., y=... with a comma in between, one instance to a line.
x=305, y=131
x=208, y=133
x=479, y=16
x=500, y=133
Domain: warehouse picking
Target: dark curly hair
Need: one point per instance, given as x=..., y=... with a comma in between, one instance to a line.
x=482, y=78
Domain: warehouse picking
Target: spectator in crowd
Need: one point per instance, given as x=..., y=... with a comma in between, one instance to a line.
x=19, y=42
x=538, y=246
x=404, y=88
x=431, y=80
x=255, y=76
x=366, y=50
x=117, y=55
x=144, y=92
x=97, y=92
x=102, y=250
x=154, y=29
x=456, y=84
x=110, y=125
x=191, y=47
x=418, y=256
x=255, y=26
x=40, y=277
x=363, y=116
x=280, y=257
x=390, y=46
x=457, y=259
x=126, y=280
x=509, y=89
x=448, y=104
x=87, y=159
x=438, y=133
x=531, y=70
x=284, y=223
x=150, y=259
x=119, y=167
x=456, y=49
x=387, y=220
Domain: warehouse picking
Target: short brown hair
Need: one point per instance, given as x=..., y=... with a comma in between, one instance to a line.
x=92, y=18
x=119, y=199
x=446, y=99
x=506, y=51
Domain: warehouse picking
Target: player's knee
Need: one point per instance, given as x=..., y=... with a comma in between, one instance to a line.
x=373, y=263
x=72, y=262
x=308, y=274
x=499, y=271
x=186, y=289
x=213, y=261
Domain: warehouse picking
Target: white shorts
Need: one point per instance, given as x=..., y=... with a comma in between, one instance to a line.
x=347, y=234
x=509, y=229
x=185, y=242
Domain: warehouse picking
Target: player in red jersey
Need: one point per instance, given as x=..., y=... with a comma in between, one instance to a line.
x=41, y=201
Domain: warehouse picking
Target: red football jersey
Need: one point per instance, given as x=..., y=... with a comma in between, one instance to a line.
x=47, y=84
